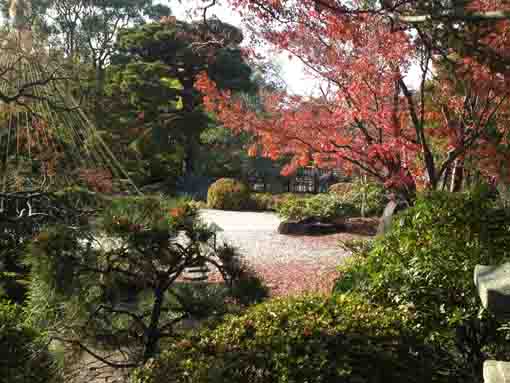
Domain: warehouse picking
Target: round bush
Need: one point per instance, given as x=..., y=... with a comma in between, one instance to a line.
x=305, y=339
x=228, y=194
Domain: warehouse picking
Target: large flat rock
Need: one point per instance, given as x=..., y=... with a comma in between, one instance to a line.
x=496, y=372
x=493, y=284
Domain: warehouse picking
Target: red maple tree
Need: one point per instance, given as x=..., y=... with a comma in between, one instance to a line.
x=367, y=115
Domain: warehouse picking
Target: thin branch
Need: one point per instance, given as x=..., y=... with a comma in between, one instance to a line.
x=94, y=354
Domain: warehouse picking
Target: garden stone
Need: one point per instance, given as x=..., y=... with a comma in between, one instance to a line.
x=290, y=227
x=387, y=217
x=493, y=284
x=310, y=226
x=496, y=372
x=394, y=206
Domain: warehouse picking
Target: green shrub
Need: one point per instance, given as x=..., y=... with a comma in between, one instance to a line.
x=306, y=339
x=228, y=194
x=425, y=263
x=245, y=285
x=263, y=202
x=368, y=197
x=429, y=256
x=79, y=279
x=22, y=357
x=270, y=202
x=81, y=198
x=341, y=189
x=354, y=275
x=321, y=206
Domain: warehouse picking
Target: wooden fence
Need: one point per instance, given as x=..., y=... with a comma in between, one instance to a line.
x=306, y=180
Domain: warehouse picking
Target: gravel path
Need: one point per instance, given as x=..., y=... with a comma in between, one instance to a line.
x=288, y=264
x=255, y=234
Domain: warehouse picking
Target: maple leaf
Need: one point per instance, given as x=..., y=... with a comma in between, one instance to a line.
x=371, y=119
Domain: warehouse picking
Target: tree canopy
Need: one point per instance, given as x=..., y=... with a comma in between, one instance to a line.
x=368, y=114
x=155, y=70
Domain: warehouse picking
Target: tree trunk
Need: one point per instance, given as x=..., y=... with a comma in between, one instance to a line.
x=468, y=179
x=98, y=102
x=153, y=334
x=457, y=176
x=187, y=166
x=446, y=177
x=364, y=195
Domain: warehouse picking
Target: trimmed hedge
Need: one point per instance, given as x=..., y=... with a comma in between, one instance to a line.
x=305, y=339
x=270, y=202
x=321, y=206
x=228, y=194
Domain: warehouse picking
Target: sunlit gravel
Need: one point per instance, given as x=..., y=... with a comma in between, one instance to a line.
x=288, y=264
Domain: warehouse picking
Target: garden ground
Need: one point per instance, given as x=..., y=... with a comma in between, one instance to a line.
x=288, y=264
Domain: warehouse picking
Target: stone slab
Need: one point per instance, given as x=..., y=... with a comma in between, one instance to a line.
x=496, y=372
x=387, y=217
x=493, y=285
x=310, y=227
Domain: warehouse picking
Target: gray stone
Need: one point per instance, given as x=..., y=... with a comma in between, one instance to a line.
x=291, y=228
x=387, y=217
x=493, y=284
x=310, y=226
x=496, y=372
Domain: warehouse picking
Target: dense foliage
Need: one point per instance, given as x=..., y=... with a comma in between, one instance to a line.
x=22, y=216
x=122, y=283
x=341, y=188
x=425, y=265
x=306, y=339
x=23, y=357
x=151, y=88
x=228, y=194
x=268, y=201
x=321, y=206
x=405, y=125
x=368, y=197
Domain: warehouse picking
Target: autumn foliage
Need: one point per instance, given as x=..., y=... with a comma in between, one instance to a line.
x=367, y=114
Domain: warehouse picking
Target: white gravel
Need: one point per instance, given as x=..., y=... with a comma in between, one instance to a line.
x=256, y=236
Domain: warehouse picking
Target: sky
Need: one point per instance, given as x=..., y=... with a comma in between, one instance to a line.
x=293, y=71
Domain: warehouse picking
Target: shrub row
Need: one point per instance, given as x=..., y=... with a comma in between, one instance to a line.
x=325, y=207
x=231, y=194
x=345, y=199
